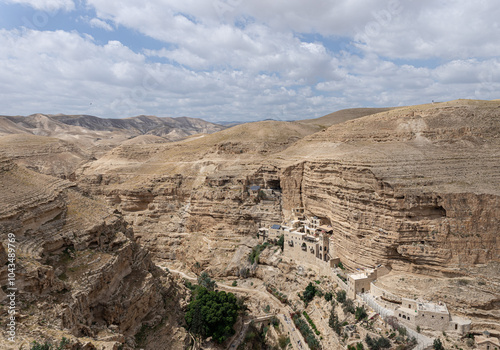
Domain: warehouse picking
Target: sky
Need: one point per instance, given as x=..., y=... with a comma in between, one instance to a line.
x=236, y=60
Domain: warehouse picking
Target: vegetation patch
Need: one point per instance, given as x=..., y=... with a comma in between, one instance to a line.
x=254, y=254
x=49, y=346
x=334, y=322
x=309, y=293
x=212, y=314
x=311, y=323
x=377, y=343
x=306, y=332
x=280, y=296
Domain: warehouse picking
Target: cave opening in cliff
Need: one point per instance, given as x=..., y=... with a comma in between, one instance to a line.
x=274, y=185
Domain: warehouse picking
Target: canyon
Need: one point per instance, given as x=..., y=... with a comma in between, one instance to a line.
x=415, y=188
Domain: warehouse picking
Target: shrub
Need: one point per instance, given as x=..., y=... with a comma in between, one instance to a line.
x=283, y=341
x=341, y=296
x=437, y=345
x=360, y=313
x=234, y=284
x=333, y=322
x=48, y=346
x=309, y=293
x=377, y=344
x=306, y=332
x=311, y=323
x=348, y=306
x=254, y=254
x=205, y=281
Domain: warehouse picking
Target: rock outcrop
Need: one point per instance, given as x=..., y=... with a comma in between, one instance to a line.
x=79, y=272
x=417, y=188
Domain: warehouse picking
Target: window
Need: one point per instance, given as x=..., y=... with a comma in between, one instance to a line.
x=320, y=248
x=399, y=315
x=408, y=318
x=409, y=306
x=432, y=316
x=456, y=326
x=442, y=317
x=423, y=315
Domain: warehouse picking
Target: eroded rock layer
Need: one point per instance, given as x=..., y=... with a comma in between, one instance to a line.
x=79, y=271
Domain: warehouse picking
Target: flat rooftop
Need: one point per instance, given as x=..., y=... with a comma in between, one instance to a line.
x=361, y=275
x=432, y=307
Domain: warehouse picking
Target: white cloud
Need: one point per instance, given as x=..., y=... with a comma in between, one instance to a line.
x=229, y=59
x=46, y=5
x=97, y=23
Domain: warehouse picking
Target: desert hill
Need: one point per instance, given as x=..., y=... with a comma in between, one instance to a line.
x=58, y=144
x=344, y=115
x=416, y=188
x=50, y=125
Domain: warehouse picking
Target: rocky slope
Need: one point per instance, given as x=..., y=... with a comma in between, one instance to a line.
x=79, y=272
x=58, y=144
x=406, y=185
x=416, y=187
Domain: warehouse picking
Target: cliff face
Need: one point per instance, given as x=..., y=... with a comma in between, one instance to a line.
x=374, y=223
x=415, y=187
x=78, y=270
x=418, y=188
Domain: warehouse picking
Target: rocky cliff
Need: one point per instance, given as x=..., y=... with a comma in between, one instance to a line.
x=403, y=187
x=79, y=272
x=416, y=187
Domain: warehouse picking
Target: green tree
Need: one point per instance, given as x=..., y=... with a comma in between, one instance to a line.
x=437, y=345
x=212, y=314
x=360, y=313
x=328, y=296
x=341, y=296
x=377, y=344
x=333, y=321
x=348, y=306
x=281, y=242
x=309, y=293
x=205, y=281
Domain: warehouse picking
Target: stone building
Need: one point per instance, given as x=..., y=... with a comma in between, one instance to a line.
x=306, y=240
x=360, y=282
x=485, y=342
x=418, y=313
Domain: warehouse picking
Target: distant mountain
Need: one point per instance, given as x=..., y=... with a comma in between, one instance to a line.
x=170, y=128
x=48, y=141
